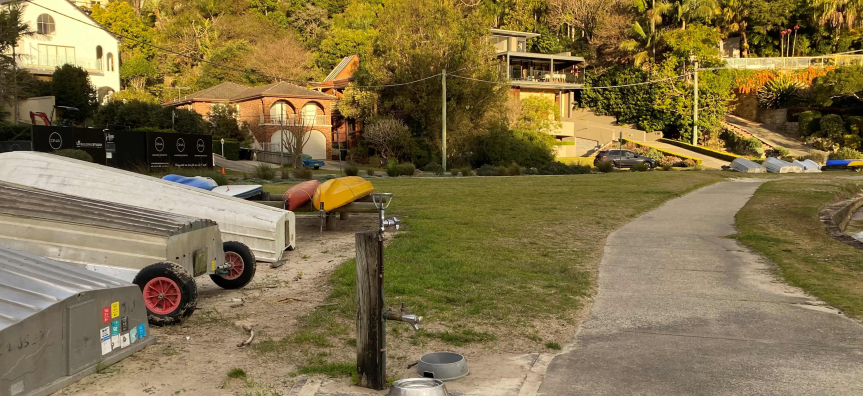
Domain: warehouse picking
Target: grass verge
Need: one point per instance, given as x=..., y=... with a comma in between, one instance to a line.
x=781, y=222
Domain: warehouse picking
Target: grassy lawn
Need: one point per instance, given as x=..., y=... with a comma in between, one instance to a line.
x=490, y=259
x=781, y=222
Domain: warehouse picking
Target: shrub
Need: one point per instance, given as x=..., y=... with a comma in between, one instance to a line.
x=376, y=161
x=779, y=151
x=302, y=174
x=631, y=146
x=501, y=145
x=669, y=161
x=80, y=155
x=832, y=127
x=559, y=168
x=396, y=170
x=370, y=172
x=779, y=92
x=821, y=143
x=453, y=172
x=855, y=124
x=393, y=170
x=845, y=153
x=642, y=167
x=232, y=148
x=688, y=163
x=264, y=172
x=653, y=154
x=666, y=167
x=808, y=123
x=816, y=157
x=434, y=167
x=487, y=170
x=466, y=171
x=351, y=170
x=511, y=170
x=605, y=166
x=851, y=141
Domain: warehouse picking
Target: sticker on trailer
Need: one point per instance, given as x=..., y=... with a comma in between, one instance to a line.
x=124, y=323
x=133, y=335
x=115, y=334
x=106, y=347
x=106, y=314
x=142, y=331
x=213, y=265
x=124, y=340
x=105, y=334
x=115, y=309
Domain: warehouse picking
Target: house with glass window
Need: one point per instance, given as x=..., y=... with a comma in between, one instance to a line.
x=271, y=109
x=65, y=34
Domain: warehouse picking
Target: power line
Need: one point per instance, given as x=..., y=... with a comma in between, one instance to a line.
x=582, y=88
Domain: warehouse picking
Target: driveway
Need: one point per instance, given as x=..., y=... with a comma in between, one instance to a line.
x=706, y=161
x=771, y=137
x=682, y=310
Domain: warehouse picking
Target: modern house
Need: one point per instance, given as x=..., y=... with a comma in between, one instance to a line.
x=271, y=109
x=554, y=76
x=65, y=34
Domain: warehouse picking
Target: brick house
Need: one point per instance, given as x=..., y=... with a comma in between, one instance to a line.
x=346, y=130
x=268, y=109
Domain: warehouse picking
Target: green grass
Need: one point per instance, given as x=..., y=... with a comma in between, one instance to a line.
x=781, y=222
x=489, y=258
x=237, y=373
x=552, y=345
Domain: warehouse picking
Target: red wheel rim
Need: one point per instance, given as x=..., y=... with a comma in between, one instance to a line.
x=162, y=295
x=237, y=265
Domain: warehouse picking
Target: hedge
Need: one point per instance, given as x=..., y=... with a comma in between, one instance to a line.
x=232, y=148
x=664, y=151
x=702, y=150
x=564, y=143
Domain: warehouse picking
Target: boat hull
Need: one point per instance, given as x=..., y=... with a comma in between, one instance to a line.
x=335, y=193
x=300, y=194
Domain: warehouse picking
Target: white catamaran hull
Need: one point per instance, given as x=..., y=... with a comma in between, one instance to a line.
x=266, y=230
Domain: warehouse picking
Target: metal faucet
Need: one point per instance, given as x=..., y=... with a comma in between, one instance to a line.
x=413, y=320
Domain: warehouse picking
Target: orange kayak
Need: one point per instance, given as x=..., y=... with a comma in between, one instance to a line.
x=300, y=194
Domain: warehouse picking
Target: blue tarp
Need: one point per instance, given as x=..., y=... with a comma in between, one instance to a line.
x=199, y=182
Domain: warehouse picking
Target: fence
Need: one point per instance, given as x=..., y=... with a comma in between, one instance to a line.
x=794, y=62
x=294, y=119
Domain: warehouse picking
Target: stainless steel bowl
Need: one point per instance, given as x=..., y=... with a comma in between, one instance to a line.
x=418, y=387
x=445, y=366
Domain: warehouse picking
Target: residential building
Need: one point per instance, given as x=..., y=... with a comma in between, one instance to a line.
x=346, y=131
x=271, y=109
x=65, y=34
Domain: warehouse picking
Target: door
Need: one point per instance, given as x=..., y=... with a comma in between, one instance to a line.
x=316, y=146
x=629, y=159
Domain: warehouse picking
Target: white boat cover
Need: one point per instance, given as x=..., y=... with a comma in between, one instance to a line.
x=776, y=165
x=268, y=231
x=744, y=165
x=808, y=166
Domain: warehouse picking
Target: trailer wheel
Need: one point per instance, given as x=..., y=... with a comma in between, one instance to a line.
x=243, y=269
x=170, y=293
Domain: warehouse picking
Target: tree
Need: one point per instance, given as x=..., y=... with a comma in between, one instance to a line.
x=736, y=13
x=224, y=124
x=837, y=13
x=137, y=72
x=688, y=10
x=537, y=119
x=645, y=34
x=296, y=132
x=839, y=83
x=121, y=18
x=71, y=87
x=388, y=136
x=12, y=28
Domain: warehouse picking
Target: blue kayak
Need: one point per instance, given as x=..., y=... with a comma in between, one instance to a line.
x=845, y=162
x=197, y=181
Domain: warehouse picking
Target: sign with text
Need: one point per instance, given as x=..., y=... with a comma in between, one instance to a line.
x=47, y=138
x=179, y=149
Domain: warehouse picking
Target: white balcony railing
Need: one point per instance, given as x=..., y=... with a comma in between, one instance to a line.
x=295, y=119
x=50, y=62
x=799, y=62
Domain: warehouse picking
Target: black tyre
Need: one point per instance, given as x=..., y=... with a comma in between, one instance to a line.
x=317, y=167
x=170, y=293
x=243, y=269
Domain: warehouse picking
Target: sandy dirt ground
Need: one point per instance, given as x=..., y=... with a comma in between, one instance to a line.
x=193, y=358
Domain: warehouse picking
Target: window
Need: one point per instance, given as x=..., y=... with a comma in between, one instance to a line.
x=45, y=24
x=281, y=112
x=54, y=55
x=99, y=56
x=310, y=114
x=110, y=62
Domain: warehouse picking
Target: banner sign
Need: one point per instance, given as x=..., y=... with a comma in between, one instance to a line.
x=179, y=150
x=48, y=138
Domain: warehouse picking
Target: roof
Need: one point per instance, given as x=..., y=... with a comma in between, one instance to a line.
x=30, y=284
x=22, y=201
x=281, y=88
x=513, y=33
x=536, y=55
x=222, y=92
x=233, y=92
x=338, y=69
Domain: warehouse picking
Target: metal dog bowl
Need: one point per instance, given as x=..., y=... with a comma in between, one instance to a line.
x=418, y=387
x=445, y=366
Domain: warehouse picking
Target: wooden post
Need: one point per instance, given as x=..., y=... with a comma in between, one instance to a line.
x=343, y=215
x=371, y=352
x=330, y=221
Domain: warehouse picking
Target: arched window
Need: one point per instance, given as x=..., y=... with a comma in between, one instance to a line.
x=45, y=24
x=281, y=112
x=110, y=62
x=99, y=55
x=310, y=114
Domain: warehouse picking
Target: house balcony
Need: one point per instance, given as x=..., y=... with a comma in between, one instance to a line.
x=549, y=71
x=47, y=64
x=294, y=119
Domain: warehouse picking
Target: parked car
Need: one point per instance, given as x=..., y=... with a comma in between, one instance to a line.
x=308, y=162
x=623, y=159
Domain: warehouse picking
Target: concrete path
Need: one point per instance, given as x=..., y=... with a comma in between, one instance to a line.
x=706, y=161
x=771, y=137
x=683, y=311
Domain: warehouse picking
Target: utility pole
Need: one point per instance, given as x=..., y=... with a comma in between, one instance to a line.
x=443, y=117
x=695, y=104
x=15, y=83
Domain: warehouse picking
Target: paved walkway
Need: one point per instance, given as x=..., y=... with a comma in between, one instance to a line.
x=771, y=137
x=706, y=161
x=681, y=310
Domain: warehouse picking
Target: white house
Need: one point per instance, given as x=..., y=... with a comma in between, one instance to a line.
x=67, y=34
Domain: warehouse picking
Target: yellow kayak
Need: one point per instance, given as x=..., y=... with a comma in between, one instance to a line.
x=335, y=193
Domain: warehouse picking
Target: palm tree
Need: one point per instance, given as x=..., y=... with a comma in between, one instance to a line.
x=12, y=28
x=837, y=13
x=696, y=9
x=735, y=14
x=643, y=42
